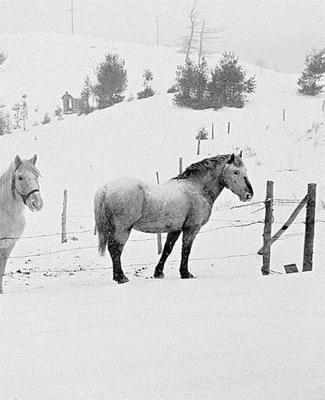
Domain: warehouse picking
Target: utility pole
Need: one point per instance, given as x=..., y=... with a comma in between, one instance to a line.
x=157, y=29
x=72, y=22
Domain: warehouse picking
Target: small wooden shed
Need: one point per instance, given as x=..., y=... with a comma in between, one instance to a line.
x=71, y=105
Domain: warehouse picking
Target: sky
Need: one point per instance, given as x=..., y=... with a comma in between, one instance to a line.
x=278, y=32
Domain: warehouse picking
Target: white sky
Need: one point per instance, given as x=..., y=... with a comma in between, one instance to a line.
x=281, y=31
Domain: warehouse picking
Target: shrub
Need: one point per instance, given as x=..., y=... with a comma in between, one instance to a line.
x=147, y=89
x=202, y=134
x=173, y=89
x=111, y=81
x=46, y=119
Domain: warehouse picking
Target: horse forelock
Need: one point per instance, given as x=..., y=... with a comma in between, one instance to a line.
x=27, y=165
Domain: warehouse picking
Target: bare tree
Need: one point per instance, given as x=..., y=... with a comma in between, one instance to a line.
x=207, y=35
x=190, y=39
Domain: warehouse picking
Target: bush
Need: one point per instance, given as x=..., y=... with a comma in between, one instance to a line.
x=173, y=89
x=310, y=81
x=202, y=134
x=46, y=119
x=111, y=81
x=147, y=89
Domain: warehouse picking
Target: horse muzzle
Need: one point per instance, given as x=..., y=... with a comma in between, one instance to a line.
x=34, y=201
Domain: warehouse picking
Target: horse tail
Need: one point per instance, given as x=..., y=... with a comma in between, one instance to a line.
x=104, y=224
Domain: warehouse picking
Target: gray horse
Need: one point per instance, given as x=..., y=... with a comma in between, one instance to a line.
x=183, y=204
x=18, y=187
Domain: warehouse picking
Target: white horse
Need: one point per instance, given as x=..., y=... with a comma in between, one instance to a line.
x=182, y=204
x=18, y=187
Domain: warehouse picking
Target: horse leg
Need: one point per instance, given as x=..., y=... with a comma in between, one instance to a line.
x=168, y=247
x=188, y=238
x=115, y=247
x=4, y=255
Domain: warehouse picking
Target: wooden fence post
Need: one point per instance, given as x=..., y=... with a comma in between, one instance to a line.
x=180, y=165
x=284, y=115
x=64, y=217
x=323, y=106
x=198, y=147
x=267, y=234
x=212, y=131
x=159, y=243
x=228, y=128
x=309, y=228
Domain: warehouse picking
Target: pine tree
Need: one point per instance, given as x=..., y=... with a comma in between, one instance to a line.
x=310, y=81
x=228, y=84
x=191, y=81
x=111, y=81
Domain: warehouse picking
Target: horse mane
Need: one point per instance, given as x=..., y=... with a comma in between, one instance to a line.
x=200, y=168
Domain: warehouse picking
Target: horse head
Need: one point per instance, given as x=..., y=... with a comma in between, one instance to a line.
x=234, y=177
x=25, y=183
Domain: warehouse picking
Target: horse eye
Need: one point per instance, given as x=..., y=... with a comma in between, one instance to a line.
x=236, y=172
x=20, y=177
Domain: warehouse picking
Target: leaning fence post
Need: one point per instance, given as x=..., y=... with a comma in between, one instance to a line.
x=267, y=234
x=212, y=131
x=309, y=228
x=159, y=243
x=64, y=217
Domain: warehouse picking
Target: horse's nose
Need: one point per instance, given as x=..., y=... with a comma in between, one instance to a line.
x=248, y=196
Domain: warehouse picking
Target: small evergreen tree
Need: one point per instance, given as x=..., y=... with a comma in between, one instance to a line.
x=202, y=134
x=191, y=81
x=310, y=81
x=111, y=81
x=85, y=96
x=147, y=89
x=228, y=84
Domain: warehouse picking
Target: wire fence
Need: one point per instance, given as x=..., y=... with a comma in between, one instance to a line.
x=229, y=224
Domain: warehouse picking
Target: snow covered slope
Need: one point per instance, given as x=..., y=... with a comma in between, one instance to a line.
x=69, y=332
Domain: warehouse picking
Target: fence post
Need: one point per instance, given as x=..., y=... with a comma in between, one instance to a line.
x=198, y=147
x=284, y=115
x=159, y=243
x=309, y=228
x=212, y=131
x=228, y=129
x=267, y=234
x=323, y=106
x=64, y=217
x=180, y=165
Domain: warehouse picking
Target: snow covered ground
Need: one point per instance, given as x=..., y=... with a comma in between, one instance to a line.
x=68, y=332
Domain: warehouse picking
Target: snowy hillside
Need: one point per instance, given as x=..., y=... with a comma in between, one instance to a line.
x=69, y=332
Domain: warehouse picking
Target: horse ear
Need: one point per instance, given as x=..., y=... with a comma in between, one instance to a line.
x=18, y=161
x=33, y=159
x=241, y=154
x=231, y=159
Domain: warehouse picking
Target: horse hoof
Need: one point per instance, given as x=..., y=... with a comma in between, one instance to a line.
x=187, y=276
x=124, y=279
x=160, y=275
